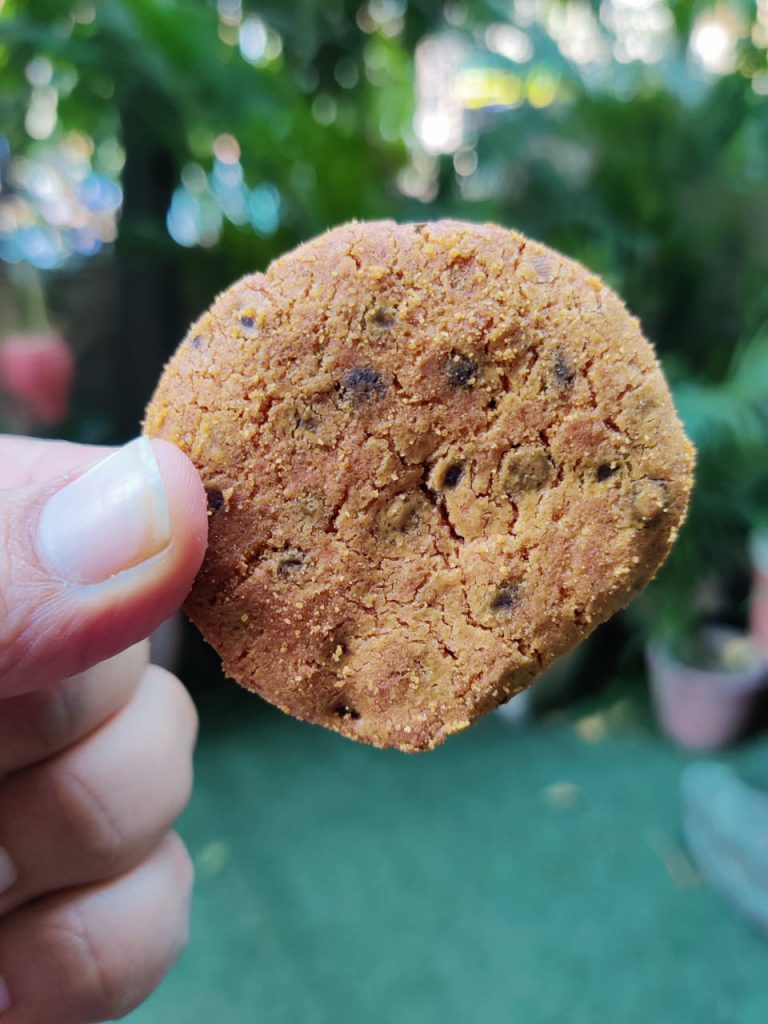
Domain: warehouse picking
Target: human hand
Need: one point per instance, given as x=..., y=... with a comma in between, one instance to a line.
x=95, y=743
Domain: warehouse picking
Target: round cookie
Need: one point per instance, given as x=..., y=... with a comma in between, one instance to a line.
x=437, y=456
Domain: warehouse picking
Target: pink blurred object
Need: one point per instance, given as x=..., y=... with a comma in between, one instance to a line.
x=758, y=616
x=36, y=369
x=758, y=601
x=707, y=707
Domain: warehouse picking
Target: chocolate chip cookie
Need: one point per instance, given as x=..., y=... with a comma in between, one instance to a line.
x=437, y=456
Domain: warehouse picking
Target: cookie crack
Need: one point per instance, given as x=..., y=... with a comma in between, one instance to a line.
x=439, y=503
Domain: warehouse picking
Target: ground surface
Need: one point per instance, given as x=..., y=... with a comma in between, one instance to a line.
x=519, y=874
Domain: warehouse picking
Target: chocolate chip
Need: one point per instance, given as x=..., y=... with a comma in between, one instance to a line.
x=606, y=471
x=363, y=384
x=461, y=370
x=288, y=564
x=215, y=499
x=344, y=711
x=383, y=318
x=246, y=321
x=452, y=475
x=525, y=469
x=505, y=598
x=492, y=403
x=562, y=370
x=444, y=475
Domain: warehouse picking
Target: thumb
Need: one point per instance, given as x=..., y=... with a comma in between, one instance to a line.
x=91, y=562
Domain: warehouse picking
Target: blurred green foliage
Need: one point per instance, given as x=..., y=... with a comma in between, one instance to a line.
x=653, y=174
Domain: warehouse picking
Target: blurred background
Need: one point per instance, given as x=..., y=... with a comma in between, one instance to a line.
x=599, y=849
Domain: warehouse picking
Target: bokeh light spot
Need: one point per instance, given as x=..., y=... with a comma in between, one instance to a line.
x=194, y=178
x=509, y=42
x=110, y=156
x=98, y=192
x=324, y=109
x=264, y=209
x=346, y=73
x=541, y=88
x=465, y=162
x=226, y=148
x=230, y=11
x=84, y=14
x=253, y=39
x=39, y=71
x=714, y=38
x=42, y=113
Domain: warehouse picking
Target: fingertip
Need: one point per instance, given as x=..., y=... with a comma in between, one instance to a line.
x=98, y=563
x=187, y=505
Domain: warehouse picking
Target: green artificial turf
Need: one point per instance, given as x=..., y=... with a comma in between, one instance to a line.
x=531, y=875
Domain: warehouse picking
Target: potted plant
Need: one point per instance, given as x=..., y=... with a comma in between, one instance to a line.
x=704, y=691
x=705, y=666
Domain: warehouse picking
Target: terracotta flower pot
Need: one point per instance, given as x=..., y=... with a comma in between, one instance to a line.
x=707, y=707
x=36, y=369
x=758, y=602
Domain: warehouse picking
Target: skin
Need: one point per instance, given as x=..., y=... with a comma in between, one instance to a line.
x=95, y=757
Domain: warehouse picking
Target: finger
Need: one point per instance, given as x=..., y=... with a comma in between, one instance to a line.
x=92, y=562
x=37, y=725
x=96, y=810
x=94, y=954
x=28, y=460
